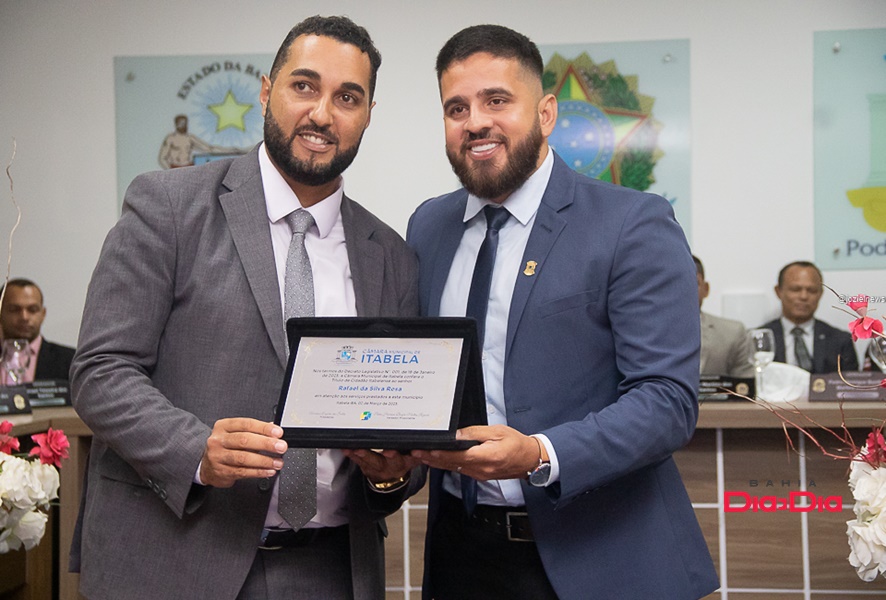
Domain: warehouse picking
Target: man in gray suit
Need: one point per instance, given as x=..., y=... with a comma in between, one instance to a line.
x=182, y=354
x=724, y=342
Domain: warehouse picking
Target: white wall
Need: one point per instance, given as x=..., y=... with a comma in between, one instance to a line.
x=751, y=96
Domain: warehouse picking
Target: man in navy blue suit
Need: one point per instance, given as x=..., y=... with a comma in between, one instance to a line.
x=590, y=344
x=800, y=338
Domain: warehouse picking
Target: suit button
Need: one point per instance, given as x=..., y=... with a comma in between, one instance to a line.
x=264, y=484
x=163, y=495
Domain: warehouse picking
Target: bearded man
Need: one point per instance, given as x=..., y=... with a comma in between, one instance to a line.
x=586, y=304
x=191, y=490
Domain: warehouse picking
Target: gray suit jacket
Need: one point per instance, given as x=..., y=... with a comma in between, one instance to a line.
x=724, y=347
x=183, y=326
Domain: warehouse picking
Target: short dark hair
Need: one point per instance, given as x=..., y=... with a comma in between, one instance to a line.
x=496, y=40
x=698, y=266
x=22, y=282
x=798, y=263
x=338, y=28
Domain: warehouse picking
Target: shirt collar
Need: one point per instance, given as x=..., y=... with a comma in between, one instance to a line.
x=281, y=200
x=807, y=326
x=524, y=201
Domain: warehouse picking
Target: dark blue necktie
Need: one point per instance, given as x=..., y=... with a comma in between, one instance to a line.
x=478, y=302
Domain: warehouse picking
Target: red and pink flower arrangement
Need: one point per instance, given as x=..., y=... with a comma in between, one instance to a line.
x=28, y=483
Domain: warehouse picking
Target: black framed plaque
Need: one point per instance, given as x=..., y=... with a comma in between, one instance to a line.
x=390, y=383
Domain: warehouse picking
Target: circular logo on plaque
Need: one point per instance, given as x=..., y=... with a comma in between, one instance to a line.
x=19, y=401
x=819, y=385
x=742, y=388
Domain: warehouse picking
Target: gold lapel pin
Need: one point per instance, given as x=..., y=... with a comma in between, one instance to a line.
x=529, y=271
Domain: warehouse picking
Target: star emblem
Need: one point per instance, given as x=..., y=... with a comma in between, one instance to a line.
x=230, y=113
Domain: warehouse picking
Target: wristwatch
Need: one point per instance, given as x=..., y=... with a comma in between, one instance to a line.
x=541, y=475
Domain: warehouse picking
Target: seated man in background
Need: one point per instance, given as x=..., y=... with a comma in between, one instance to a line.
x=724, y=342
x=21, y=316
x=800, y=339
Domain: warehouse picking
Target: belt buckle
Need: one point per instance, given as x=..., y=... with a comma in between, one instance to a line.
x=264, y=536
x=511, y=536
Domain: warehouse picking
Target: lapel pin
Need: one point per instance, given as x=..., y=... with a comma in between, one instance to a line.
x=529, y=271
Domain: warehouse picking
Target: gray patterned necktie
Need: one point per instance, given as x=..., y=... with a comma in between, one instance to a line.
x=804, y=361
x=297, y=501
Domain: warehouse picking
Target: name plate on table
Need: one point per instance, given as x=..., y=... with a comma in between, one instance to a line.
x=825, y=387
x=49, y=392
x=716, y=387
x=388, y=383
x=14, y=400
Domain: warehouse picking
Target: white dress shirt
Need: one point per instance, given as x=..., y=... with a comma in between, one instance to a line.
x=333, y=297
x=512, y=238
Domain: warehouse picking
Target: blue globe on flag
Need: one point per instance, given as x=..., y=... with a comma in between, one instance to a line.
x=583, y=137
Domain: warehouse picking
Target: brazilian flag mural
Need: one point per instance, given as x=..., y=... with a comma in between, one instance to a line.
x=623, y=114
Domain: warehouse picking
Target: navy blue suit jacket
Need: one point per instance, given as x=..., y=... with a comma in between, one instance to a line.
x=602, y=357
x=830, y=343
x=53, y=361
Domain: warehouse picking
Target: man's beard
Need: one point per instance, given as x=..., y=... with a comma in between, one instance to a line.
x=483, y=180
x=305, y=172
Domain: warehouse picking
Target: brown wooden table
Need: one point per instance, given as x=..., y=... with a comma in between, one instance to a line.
x=736, y=442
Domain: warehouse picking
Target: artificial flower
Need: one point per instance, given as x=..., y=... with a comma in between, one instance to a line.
x=859, y=304
x=52, y=447
x=16, y=484
x=864, y=328
x=874, y=452
x=27, y=487
x=868, y=557
x=28, y=531
x=8, y=443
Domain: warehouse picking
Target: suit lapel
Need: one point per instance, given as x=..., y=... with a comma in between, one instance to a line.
x=247, y=217
x=778, y=334
x=366, y=258
x=707, y=334
x=452, y=228
x=548, y=225
x=820, y=349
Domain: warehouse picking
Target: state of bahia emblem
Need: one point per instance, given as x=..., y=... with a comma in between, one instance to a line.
x=605, y=127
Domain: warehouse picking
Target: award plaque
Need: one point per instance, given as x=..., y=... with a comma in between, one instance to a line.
x=389, y=383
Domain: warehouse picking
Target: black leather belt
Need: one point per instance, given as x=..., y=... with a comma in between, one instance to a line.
x=509, y=522
x=274, y=539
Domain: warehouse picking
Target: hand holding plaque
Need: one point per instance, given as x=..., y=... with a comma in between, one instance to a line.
x=381, y=383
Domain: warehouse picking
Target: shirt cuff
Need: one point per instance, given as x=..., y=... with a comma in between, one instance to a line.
x=552, y=455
